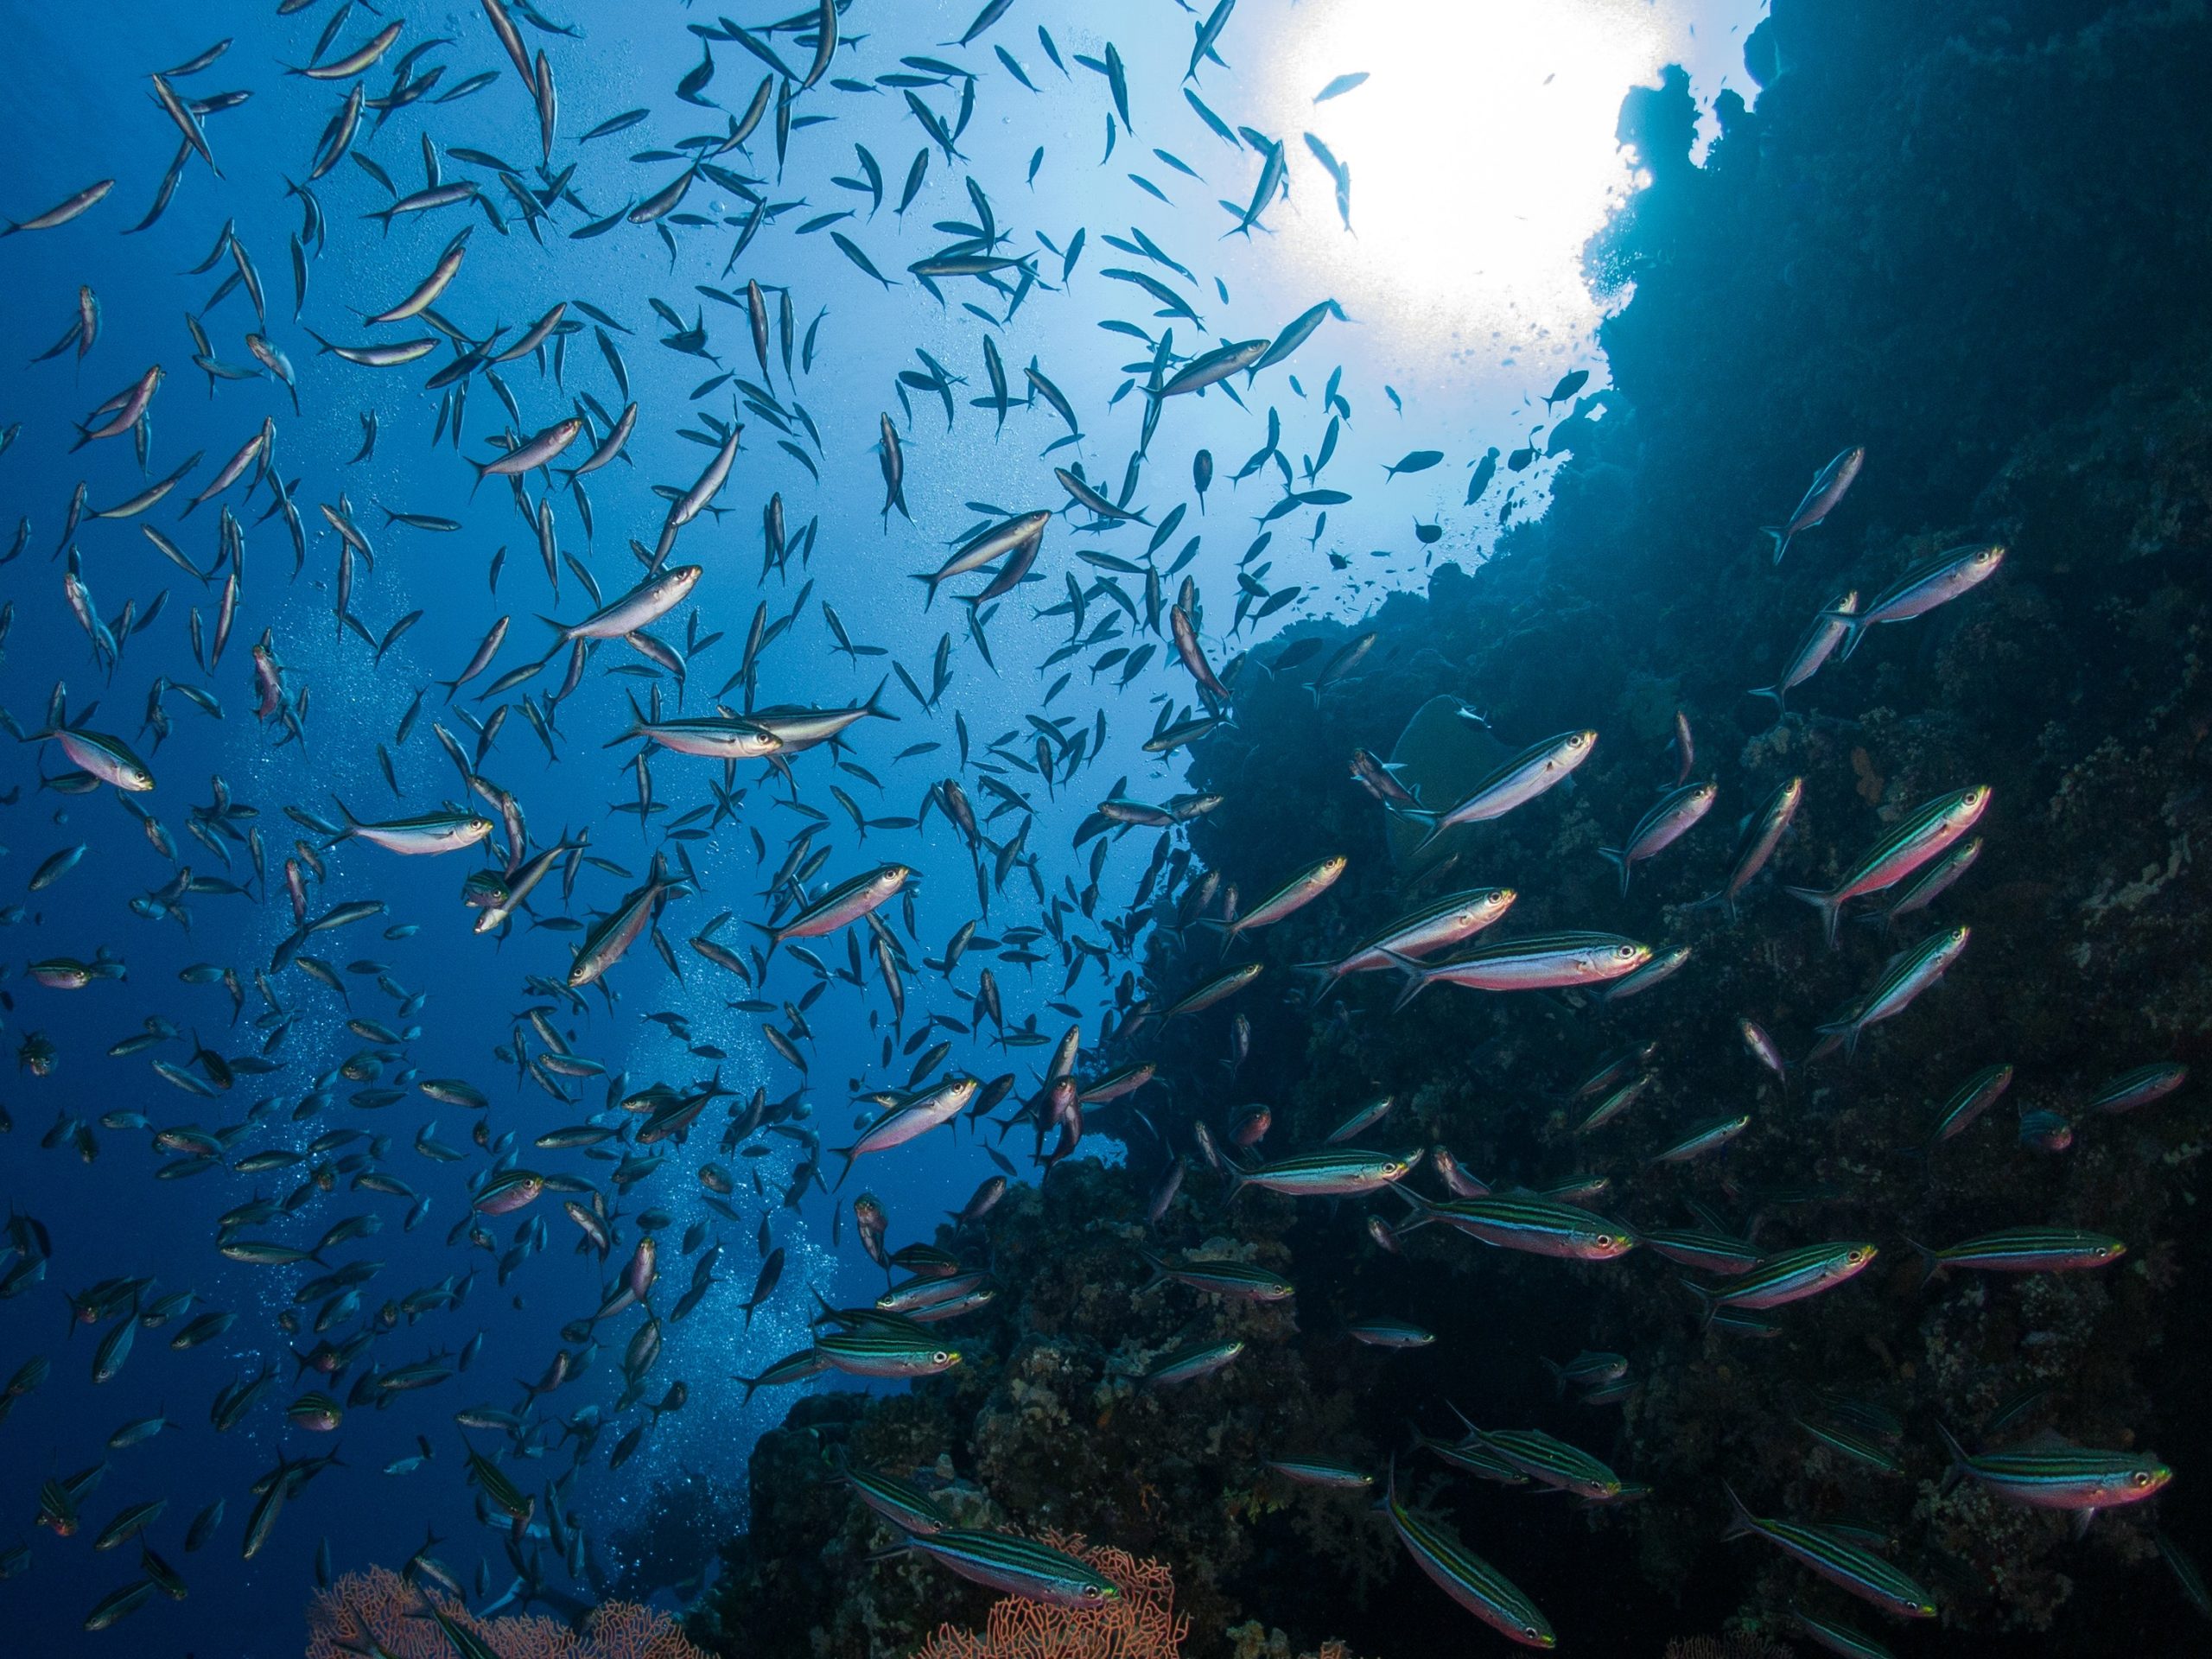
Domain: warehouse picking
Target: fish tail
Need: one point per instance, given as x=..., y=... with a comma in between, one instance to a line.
x=1159, y=1271
x=1708, y=1302
x=1618, y=858
x=874, y=704
x=1416, y=979
x=1854, y=626
x=1779, y=535
x=1423, y=1211
x=1773, y=693
x=1951, y=1445
x=1830, y=907
x=1930, y=1263
x=1741, y=1521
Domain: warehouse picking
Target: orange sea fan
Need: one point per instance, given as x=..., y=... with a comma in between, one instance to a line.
x=1139, y=1623
x=380, y=1606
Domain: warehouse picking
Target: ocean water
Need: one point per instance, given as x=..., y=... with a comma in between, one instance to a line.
x=1512, y=284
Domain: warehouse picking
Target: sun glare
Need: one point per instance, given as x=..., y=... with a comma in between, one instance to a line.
x=1481, y=155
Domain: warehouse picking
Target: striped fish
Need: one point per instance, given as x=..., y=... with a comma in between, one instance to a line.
x=1520, y=1223
x=1813, y=650
x=1921, y=835
x=1320, y=1472
x=1362, y=1120
x=1975, y=1095
x=1677, y=813
x=1615, y=1069
x=1472, y=1459
x=884, y=1353
x=1189, y=1365
x=1547, y=1461
x=1239, y=1280
x=1857, y=1447
x=1835, y=1559
x=1541, y=961
x=1449, y=920
x=2054, y=1475
x=1016, y=1567
x=1614, y=1104
x=1790, y=1277
x=906, y=1507
x=1921, y=589
x=1588, y=1369
x=1518, y=781
x=1700, y=1142
x=1326, y=1174
x=1930, y=885
x=2027, y=1250
x=2139, y=1088
x=1909, y=973
x=1389, y=1333
x=1712, y=1253
x=1466, y=1577
x=1762, y=834
x=1839, y=1638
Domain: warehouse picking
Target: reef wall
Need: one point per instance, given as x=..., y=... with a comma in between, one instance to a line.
x=1969, y=235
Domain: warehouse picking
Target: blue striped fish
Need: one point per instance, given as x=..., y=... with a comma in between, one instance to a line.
x=1016, y=1566
x=1789, y=1277
x=2051, y=1474
x=1835, y=1559
x=1536, y=1225
x=1466, y=1577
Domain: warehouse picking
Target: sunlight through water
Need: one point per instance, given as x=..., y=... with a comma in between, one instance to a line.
x=1481, y=151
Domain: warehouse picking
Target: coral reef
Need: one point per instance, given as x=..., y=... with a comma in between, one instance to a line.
x=1141, y=1624
x=380, y=1611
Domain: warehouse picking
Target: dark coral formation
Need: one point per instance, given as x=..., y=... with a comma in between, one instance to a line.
x=1968, y=235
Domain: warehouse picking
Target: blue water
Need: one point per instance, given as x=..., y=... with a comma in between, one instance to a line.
x=79, y=109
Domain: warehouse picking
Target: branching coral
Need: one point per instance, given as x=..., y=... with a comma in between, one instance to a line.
x=1141, y=1624
x=379, y=1607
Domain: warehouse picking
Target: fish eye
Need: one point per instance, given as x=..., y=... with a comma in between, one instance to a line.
x=2140, y=1478
x=1858, y=1256
x=1606, y=1241
x=943, y=1358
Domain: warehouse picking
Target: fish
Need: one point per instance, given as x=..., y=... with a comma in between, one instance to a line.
x=1907, y=974
x=1920, y=590
x=1792, y=1276
x=1326, y=1174
x=2124, y=1093
x=1536, y=769
x=1013, y=1566
x=1536, y=1226
x=1763, y=832
x=2055, y=1475
x=1814, y=651
x=1237, y=1281
x=2024, y=1250
x=1918, y=837
x=1676, y=813
x=1466, y=1577
x=1449, y=921
x=1835, y=1558
x=1535, y=962
x=1191, y=1364
x=1825, y=493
